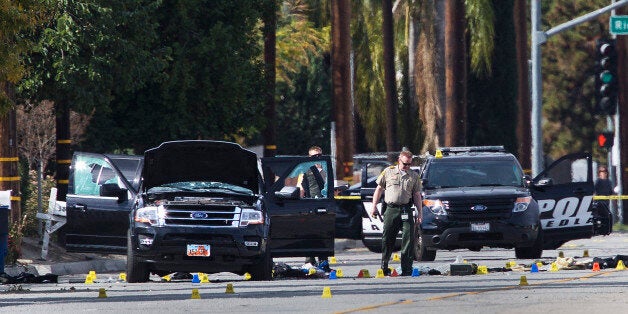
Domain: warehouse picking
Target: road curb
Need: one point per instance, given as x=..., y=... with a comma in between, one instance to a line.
x=114, y=264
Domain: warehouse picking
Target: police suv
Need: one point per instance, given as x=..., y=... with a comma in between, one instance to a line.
x=475, y=197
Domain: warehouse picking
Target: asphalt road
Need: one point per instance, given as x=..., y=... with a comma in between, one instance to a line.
x=564, y=291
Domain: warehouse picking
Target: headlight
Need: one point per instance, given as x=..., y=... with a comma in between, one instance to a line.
x=436, y=206
x=521, y=204
x=251, y=216
x=153, y=215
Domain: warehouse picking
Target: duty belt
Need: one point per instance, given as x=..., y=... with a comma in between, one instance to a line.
x=396, y=205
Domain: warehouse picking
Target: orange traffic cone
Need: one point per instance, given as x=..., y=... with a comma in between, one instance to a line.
x=596, y=266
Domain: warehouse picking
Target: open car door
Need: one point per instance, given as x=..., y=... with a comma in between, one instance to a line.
x=372, y=226
x=300, y=203
x=101, y=191
x=564, y=192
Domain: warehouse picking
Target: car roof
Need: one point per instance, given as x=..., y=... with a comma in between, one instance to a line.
x=468, y=156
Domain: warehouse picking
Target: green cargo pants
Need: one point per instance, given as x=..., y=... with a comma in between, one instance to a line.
x=392, y=224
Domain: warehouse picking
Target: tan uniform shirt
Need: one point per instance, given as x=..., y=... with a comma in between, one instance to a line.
x=398, y=187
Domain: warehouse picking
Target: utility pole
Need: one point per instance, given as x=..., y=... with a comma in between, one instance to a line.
x=9, y=161
x=270, y=52
x=621, y=119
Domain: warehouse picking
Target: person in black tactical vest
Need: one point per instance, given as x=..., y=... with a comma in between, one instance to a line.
x=311, y=183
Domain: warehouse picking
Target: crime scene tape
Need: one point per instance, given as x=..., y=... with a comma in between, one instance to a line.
x=347, y=197
x=610, y=197
x=595, y=197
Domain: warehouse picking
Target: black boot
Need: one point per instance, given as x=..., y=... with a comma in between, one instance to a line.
x=385, y=269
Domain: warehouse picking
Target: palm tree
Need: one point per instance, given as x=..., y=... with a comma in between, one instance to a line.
x=341, y=85
x=443, y=26
x=390, y=84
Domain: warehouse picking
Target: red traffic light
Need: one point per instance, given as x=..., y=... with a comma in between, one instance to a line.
x=605, y=139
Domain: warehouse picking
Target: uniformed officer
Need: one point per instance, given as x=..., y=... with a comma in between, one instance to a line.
x=402, y=186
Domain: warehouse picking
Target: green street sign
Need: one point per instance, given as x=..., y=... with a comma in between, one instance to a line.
x=619, y=24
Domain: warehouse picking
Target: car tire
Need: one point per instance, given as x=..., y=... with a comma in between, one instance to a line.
x=373, y=247
x=421, y=253
x=532, y=252
x=263, y=271
x=136, y=271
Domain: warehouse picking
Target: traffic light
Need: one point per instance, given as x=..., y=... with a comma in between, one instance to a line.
x=605, y=139
x=606, y=77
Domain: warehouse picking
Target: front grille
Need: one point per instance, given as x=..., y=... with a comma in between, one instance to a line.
x=202, y=215
x=496, y=209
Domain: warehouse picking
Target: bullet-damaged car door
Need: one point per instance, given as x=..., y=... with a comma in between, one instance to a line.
x=99, y=201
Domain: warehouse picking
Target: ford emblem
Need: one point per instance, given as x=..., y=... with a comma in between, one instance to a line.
x=198, y=215
x=478, y=208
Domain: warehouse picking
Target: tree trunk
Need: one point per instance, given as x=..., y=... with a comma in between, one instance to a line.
x=341, y=86
x=64, y=154
x=524, y=131
x=430, y=72
x=9, y=162
x=270, y=27
x=455, y=74
x=390, y=84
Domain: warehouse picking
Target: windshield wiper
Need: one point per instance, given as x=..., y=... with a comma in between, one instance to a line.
x=214, y=188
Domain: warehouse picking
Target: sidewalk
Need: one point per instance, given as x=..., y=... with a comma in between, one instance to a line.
x=60, y=262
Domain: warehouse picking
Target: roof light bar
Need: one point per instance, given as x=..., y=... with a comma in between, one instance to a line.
x=467, y=149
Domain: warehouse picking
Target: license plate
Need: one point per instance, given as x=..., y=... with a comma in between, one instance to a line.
x=480, y=227
x=198, y=250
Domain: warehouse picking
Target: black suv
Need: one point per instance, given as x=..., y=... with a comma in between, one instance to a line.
x=479, y=196
x=197, y=206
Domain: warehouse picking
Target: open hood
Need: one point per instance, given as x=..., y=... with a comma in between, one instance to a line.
x=192, y=160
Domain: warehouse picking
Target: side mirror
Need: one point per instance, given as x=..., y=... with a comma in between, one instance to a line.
x=340, y=186
x=288, y=193
x=113, y=190
x=544, y=182
x=527, y=180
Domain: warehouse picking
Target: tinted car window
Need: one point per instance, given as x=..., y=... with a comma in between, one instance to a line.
x=130, y=168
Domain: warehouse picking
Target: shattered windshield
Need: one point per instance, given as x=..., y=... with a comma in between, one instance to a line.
x=470, y=173
x=200, y=186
